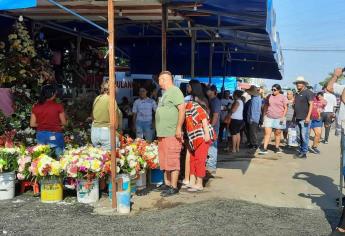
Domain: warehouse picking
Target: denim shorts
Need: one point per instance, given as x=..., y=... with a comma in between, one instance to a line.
x=54, y=139
x=316, y=124
x=274, y=123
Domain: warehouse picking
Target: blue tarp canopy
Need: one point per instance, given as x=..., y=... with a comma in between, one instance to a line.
x=240, y=34
x=16, y=4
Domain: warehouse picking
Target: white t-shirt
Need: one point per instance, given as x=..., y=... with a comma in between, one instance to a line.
x=331, y=102
x=226, y=104
x=144, y=109
x=238, y=114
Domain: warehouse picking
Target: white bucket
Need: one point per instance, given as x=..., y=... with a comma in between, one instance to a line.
x=141, y=182
x=292, y=137
x=7, y=185
x=86, y=192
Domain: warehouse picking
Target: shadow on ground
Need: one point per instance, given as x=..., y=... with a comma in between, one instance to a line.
x=326, y=186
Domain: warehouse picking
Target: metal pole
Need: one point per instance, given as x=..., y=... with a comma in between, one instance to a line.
x=112, y=82
x=164, y=36
x=210, y=64
x=77, y=15
x=192, y=69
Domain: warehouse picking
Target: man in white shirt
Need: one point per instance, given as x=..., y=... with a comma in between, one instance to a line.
x=328, y=115
x=143, y=109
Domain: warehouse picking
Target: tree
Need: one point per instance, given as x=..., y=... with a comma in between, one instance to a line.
x=328, y=78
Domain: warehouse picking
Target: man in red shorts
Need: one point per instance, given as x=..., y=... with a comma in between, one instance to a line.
x=170, y=116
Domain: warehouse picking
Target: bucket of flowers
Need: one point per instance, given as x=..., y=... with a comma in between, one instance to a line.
x=49, y=173
x=8, y=166
x=24, y=173
x=85, y=164
x=131, y=162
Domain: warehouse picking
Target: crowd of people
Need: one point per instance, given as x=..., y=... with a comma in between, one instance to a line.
x=198, y=121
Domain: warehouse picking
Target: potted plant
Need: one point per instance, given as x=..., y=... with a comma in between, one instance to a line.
x=8, y=166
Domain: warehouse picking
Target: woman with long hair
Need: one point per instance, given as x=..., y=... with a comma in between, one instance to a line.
x=48, y=117
x=275, y=110
x=200, y=135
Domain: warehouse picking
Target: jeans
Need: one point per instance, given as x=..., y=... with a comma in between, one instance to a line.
x=144, y=130
x=303, y=130
x=100, y=137
x=54, y=139
x=212, y=153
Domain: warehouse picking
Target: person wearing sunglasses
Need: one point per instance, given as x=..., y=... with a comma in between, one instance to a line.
x=275, y=110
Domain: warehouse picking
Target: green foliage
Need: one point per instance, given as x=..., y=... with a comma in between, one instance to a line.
x=328, y=78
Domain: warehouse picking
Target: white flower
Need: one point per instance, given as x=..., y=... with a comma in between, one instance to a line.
x=133, y=172
x=132, y=164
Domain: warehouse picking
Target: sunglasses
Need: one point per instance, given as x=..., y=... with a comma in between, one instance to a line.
x=274, y=89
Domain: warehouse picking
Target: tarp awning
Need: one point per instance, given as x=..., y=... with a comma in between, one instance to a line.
x=241, y=34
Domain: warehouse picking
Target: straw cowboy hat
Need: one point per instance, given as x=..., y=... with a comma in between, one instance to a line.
x=300, y=79
x=253, y=91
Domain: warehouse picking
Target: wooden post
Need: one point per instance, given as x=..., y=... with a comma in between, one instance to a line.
x=192, y=69
x=112, y=82
x=164, y=36
x=210, y=64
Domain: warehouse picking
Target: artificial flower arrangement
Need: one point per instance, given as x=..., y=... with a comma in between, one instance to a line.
x=8, y=159
x=27, y=161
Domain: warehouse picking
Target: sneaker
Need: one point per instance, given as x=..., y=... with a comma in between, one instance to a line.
x=301, y=155
x=325, y=142
x=170, y=192
x=278, y=151
x=315, y=150
x=263, y=151
x=162, y=188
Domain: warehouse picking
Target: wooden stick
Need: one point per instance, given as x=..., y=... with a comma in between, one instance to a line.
x=112, y=98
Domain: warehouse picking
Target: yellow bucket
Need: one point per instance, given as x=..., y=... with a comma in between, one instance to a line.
x=51, y=191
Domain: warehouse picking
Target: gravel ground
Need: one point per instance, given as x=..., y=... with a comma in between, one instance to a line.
x=27, y=216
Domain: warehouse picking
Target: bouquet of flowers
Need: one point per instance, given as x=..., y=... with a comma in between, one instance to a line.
x=8, y=159
x=130, y=160
x=38, y=150
x=84, y=163
x=45, y=167
x=150, y=155
x=28, y=160
x=24, y=163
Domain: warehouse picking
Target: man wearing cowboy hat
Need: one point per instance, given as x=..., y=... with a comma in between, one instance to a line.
x=252, y=116
x=303, y=108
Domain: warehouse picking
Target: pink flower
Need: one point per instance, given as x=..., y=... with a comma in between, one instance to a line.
x=20, y=176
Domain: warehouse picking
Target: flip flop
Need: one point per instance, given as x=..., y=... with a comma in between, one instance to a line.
x=195, y=190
